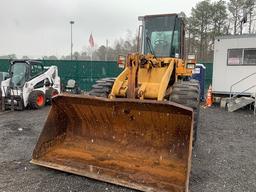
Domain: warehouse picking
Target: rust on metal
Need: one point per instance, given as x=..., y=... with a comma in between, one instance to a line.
x=145, y=145
x=133, y=65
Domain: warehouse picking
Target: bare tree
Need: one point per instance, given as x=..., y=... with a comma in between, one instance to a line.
x=249, y=6
x=236, y=8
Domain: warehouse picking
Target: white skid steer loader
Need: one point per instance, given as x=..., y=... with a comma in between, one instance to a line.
x=29, y=85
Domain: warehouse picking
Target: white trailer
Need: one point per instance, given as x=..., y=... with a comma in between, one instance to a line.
x=234, y=65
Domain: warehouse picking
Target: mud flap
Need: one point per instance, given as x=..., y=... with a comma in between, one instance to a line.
x=145, y=145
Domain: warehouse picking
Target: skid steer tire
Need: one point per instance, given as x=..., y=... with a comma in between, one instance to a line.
x=102, y=88
x=36, y=99
x=49, y=94
x=187, y=93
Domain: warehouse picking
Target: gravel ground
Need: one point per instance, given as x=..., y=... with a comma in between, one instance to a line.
x=223, y=160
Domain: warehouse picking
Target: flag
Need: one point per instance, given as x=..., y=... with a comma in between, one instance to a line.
x=91, y=41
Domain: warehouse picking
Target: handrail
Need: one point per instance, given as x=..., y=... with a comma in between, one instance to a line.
x=254, y=110
x=242, y=92
x=231, y=87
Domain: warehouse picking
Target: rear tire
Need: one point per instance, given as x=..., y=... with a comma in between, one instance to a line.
x=103, y=87
x=49, y=94
x=36, y=99
x=188, y=93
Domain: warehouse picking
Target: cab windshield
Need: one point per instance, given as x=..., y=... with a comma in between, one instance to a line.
x=19, y=73
x=162, y=34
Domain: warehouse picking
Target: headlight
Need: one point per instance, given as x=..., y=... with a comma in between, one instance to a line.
x=121, y=61
x=190, y=66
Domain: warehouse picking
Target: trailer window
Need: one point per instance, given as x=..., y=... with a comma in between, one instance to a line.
x=235, y=56
x=249, y=57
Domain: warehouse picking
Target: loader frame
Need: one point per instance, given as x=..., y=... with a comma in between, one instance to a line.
x=139, y=136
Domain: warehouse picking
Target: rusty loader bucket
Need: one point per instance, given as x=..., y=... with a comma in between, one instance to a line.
x=145, y=145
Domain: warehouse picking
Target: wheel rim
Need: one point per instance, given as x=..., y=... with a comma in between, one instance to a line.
x=40, y=100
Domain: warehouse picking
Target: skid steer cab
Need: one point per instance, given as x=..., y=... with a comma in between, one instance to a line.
x=29, y=85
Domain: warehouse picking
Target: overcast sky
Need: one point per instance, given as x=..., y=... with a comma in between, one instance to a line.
x=41, y=27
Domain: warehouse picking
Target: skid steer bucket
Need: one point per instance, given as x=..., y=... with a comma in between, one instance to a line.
x=145, y=145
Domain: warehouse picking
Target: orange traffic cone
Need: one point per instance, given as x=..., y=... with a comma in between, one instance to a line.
x=209, y=100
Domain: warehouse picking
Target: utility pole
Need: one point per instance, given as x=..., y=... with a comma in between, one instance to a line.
x=243, y=20
x=241, y=27
x=71, y=46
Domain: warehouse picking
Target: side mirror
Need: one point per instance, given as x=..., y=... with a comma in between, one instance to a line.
x=121, y=61
x=191, y=57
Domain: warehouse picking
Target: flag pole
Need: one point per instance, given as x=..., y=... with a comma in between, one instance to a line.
x=91, y=52
x=91, y=41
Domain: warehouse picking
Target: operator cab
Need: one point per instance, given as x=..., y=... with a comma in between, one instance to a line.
x=22, y=70
x=163, y=35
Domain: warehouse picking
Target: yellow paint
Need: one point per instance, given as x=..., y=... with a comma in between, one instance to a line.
x=153, y=76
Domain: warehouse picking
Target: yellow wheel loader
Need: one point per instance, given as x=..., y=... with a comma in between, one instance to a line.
x=135, y=130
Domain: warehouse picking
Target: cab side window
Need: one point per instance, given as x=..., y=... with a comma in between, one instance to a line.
x=36, y=70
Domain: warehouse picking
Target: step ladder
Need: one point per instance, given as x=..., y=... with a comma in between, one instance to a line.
x=239, y=103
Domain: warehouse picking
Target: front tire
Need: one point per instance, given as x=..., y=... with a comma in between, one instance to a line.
x=188, y=93
x=36, y=99
x=49, y=94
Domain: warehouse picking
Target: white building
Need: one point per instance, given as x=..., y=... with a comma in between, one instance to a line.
x=234, y=65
